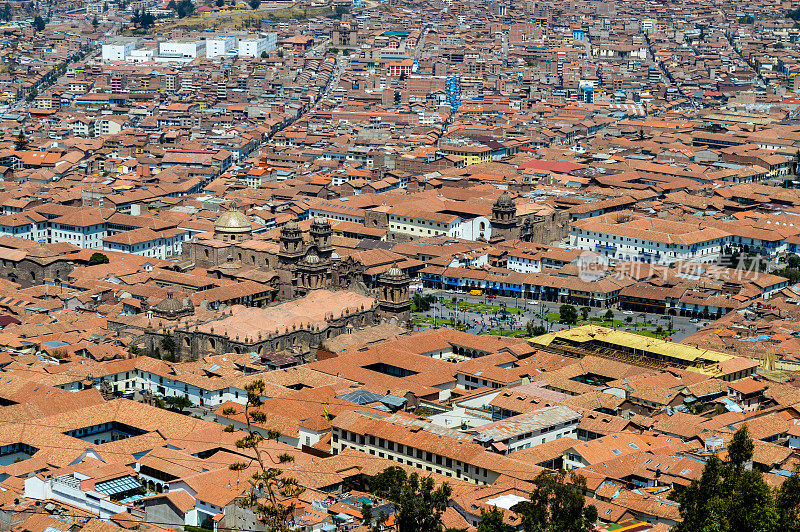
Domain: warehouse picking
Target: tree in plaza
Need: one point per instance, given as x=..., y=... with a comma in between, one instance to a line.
x=609, y=315
x=254, y=4
x=38, y=23
x=585, y=313
x=421, y=503
x=535, y=330
x=269, y=486
x=422, y=303
x=568, y=314
x=179, y=402
x=557, y=505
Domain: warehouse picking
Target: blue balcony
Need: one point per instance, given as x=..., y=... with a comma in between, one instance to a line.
x=646, y=255
x=606, y=248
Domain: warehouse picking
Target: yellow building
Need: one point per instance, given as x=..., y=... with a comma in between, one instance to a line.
x=645, y=351
x=472, y=154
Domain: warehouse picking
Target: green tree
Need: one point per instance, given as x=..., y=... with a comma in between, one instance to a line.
x=420, y=303
x=535, y=330
x=98, y=258
x=421, y=503
x=95, y=23
x=183, y=8
x=254, y=4
x=142, y=19
x=609, y=315
x=701, y=502
x=793, y=261
x=792, y=274
x=179, y=402
x=568, y=314
x=366, y=514
x=492, y=521
x=585, y=313
x=731, y=496
x=740, y=449
x=556, y=505
x=21, y=143
x=168, y=344
x=787, y=501
x=751, y=506
x=38, y=23
x=268, y=485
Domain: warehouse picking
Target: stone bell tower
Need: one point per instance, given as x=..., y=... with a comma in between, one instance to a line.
x=394, y=301
x=504, y=219
x=292, y=247
x=321, y=233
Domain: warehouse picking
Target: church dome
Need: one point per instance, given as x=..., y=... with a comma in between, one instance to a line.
x=394, y=272
x=168, y=305
x=171, y=308
x=233, y=220
x=311, y=258
x=504, y=200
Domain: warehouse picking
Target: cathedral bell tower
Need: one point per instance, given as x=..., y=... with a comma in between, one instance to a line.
x=394, y=301
x=292, y=247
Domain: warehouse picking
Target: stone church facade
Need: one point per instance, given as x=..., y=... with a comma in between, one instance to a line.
x=294, y=267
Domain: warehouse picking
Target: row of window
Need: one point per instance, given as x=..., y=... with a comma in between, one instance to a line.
x=408, y=450
x=412, y=230
x=615, y=238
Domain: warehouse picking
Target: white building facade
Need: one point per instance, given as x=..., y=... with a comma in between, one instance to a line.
x=117, y=52
x=219, y=46
x=254, y=47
